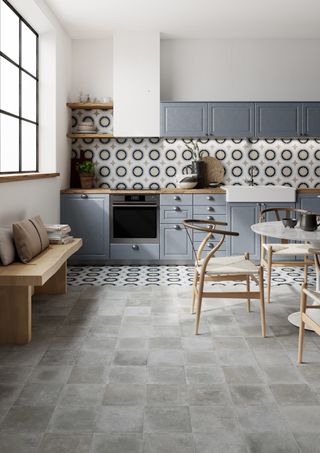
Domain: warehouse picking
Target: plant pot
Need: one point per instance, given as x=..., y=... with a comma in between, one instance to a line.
x=86, y=181
x=198, y=167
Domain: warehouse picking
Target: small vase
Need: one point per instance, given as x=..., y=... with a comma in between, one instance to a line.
x=86, y=181
x=198, y=167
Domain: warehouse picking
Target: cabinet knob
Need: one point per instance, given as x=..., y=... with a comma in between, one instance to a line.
x=210, y=245
x=84, y=195
x=209, y=217
x=176, y=208
x=210, y=198
x=135, y=247
x=177, y=227
x=210, y=208
x=177, y=198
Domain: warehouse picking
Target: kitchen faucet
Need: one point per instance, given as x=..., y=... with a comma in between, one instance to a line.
x=251, y=171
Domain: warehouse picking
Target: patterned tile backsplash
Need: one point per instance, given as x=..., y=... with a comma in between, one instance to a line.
x=142, y=163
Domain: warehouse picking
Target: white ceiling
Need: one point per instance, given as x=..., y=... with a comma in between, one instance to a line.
x=191, y=18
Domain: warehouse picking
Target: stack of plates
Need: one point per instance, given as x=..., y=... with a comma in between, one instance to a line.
x=86, y=127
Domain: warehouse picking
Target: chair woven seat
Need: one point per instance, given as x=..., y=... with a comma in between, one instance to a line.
x=226, y=265
x=288, y=249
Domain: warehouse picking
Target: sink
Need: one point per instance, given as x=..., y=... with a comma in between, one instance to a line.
x=264, y=194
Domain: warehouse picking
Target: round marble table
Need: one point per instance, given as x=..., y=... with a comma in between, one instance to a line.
x=277, y=230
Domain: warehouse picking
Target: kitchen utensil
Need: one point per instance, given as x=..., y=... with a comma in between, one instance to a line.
x=309, y=222
x=288, y=222
x=214, y=171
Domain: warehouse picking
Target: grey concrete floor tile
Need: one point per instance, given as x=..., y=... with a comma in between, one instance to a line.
x=4, y=409
x=130, y=358
x=294, y=394
x=94, y=358
x=120, y=419
x=302, y=418
x=142, y=310
x=132, y=343
x=128, y=374
x=66, y=343
x=89, y=375
x=208, y=394
x=267, y=358
x=135, y=331
x=81, y=395
x=200, y=358
x=9, y=393
x=166, y=395
x=27, y=419
x=264, y=344
x=165, y=343
x=14, y=374
x=210, y=374
x=125, y=395
x=73, y=419
x=65, y=443
x=198, y=343
x=104, y=332
x=219, y=441
x=22, y=443
x=59, y=357
x=72, y=331
x=164, y=357
x=310, y=373
x=283, y=374
x=165, y=331
x=167, y=420
x=93, y=343
x=117, y=443
x=166, y=320
x=136, y=321
x=168, y=443
x=236, y=358
x=308, y=442
x=208, y=419
x=271, y=443
x=107, y=321
x=248, y=395
x=242, y=375
x=309, y=357
x=231, y=343
x=165, y=375
x=39, y=394
x=265, y=418
x=51, y=374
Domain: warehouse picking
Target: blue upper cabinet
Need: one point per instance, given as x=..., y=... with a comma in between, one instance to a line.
x=231, y=119
x=278, y=119
x=311, y=119
x=184, y=119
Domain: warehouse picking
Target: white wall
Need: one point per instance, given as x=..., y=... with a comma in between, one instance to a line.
x=92, y=68
x=240, y=70
x=42, y=196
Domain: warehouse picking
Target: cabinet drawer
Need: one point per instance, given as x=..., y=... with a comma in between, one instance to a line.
x=199, y=236
x=172, y=214
x=175, y=199
x=134, y=252
x=208, y=199
x=209, y=246
x=212, y=216
x=209, y=210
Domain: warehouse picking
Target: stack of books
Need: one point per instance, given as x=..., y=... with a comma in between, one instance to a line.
x=59, y=233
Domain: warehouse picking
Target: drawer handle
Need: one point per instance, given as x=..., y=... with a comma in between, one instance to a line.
x=84, y=195
x=209, y=217
x=177, y=198
x=176, y=208
x=135, y=247
x=210, y=198
x=210, y=208
x=210, y=245
x=177, y=227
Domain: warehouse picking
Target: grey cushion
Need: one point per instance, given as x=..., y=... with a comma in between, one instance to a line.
x=30, y=237
x=7, y=249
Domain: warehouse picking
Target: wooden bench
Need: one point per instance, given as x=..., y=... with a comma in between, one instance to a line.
x=44, y=274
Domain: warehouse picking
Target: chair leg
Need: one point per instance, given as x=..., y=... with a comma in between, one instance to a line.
x=262, y=306
x=248, y=290
x=199, y=301
x=195, y=280
x=305, y=276
x=269, y=274
x=303, y=304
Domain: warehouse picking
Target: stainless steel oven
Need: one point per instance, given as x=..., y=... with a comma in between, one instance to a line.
x=134, y=219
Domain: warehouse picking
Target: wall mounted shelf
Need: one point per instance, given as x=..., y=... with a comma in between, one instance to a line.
x=90, y=105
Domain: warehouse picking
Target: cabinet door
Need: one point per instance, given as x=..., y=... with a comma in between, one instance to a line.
x=175, y=244
x=240, y=218
x=88, y=217
x=278, y=119
x=184, y=119
x=231, y=119
x=310, y=202
x=311, y=119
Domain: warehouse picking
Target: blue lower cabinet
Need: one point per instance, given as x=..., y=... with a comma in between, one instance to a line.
x=88, y=216
x=134, y=252
x=310, y=202
x=175, y=244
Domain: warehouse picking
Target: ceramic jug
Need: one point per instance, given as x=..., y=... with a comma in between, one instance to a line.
x=309, y=222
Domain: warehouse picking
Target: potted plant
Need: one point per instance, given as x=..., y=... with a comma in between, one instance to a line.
x=198, y=166
x=86, y=173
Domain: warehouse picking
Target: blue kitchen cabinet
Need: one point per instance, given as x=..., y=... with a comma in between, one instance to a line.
x=88, y=217
x=309, y=201
x=175, y=244
x=311, y=119
x=184, y=119
x=278, y=119
x=231, y=119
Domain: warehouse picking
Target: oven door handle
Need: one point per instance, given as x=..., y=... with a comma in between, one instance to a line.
x=134, y=205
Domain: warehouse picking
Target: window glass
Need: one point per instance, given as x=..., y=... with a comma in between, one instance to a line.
x=9, y=82
x=9, y=36
x=28, y=49
x=29, y=97
x=9, y=144
x=28, y=142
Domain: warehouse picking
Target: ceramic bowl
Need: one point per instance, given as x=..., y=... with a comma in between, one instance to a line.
x=288, y=222
x=187, y=185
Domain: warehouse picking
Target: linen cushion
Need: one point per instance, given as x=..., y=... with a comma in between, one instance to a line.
x=30, y=237
x=7, y=249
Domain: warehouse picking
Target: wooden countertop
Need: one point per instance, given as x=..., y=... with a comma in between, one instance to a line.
x=164, y=191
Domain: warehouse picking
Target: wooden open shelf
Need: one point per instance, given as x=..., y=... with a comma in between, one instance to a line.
x=90, y=105
x=89, y=135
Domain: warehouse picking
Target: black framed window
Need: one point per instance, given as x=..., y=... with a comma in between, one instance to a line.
x=19, y=88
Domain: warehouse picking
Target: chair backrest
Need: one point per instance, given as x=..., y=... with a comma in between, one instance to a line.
x=316, y=253
x=209, y=227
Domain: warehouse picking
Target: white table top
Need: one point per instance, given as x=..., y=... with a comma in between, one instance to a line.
x=277, y=230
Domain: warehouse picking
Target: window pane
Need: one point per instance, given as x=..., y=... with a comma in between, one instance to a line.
x=9, y=144
x=29, y=49
x=9, y=37
x=9, y=92
x=29, y=146
x=29, y=99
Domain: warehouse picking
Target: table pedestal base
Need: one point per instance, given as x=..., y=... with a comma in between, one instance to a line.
x=294, y=319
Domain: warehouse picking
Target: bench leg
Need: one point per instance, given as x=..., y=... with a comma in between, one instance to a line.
x=57, y=284
x=15, y=314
